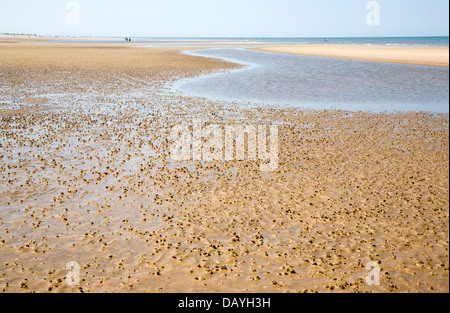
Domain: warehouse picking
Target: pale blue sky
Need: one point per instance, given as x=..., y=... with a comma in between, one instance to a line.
x=227, y=18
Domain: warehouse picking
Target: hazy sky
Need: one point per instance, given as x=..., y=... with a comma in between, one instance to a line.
x=226, y=18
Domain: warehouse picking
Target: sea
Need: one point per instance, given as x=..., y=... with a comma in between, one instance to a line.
x=441, y=41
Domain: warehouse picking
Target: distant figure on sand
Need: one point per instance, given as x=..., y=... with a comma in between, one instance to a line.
x=326, y=39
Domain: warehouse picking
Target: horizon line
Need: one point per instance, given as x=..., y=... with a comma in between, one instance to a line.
x=224, y=37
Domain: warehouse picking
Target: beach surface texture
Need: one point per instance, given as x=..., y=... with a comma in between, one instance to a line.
x=90, y=200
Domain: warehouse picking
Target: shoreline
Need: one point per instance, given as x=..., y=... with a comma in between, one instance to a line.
x=424, y=56
x=435, y=56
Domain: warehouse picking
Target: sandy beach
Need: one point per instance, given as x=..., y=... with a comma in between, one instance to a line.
x=85, y=177
x=428, y=56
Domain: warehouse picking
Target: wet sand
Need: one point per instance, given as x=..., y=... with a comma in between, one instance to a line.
x=85, y=177
x=429, y=56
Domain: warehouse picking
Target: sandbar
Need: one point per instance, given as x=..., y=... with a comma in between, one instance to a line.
x=427, y=56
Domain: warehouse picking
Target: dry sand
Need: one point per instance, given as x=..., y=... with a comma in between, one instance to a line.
x=430, y=56
x=84, y=177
